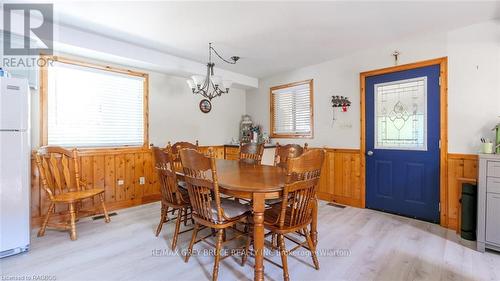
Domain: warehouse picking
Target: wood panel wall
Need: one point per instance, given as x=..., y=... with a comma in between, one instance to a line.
x=340, y=180
x=459, y=166
x=105, y=169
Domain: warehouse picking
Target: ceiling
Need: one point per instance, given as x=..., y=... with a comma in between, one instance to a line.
x=271, y=37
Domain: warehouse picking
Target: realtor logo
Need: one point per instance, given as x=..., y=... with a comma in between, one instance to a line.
x=30, y=22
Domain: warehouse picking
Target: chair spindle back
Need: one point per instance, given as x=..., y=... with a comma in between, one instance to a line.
x=176, y=147
x=164, y=164
x=283, y=152
x=59, y=170
x=299, y=193
x=200, y=174
x=251, y=153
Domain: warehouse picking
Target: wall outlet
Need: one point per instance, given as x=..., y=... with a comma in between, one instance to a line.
x=142, y=180
x=346, y=125
x=120, y=182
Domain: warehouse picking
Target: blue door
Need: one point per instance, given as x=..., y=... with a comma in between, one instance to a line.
x=402, y=142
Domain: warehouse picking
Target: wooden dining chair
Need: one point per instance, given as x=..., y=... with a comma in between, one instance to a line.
x=295, y=214
x=176, y=147
x=209, y=209
x=173, y=197
x=283, y=152
x=251, y=153
x=60, y=175
x=281, y=155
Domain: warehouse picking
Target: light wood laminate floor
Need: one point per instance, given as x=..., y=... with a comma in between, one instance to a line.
x=354, y=244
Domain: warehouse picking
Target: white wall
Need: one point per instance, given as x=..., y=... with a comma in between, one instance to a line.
x=174, y=114
x=474, y=88
x=474, y=91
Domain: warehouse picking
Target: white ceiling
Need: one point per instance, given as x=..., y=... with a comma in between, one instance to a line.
x=271, y=37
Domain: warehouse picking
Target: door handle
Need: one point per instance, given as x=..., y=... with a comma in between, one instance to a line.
x=369, y=153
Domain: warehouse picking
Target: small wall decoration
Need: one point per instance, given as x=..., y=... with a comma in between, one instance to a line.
x=341, y=101
x=396, y=54
x=205, y=106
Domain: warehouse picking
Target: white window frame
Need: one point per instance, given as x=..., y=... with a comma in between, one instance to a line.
x=292, y=135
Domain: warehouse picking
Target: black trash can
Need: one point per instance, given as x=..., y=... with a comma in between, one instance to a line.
x=469, y=211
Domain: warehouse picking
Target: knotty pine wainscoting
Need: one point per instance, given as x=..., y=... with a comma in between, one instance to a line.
x=341, y=181
x=459, y=166
x=119, y=173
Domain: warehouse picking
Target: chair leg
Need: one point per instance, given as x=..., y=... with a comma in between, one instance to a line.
x=185, y=216
x=163, y=217
x=274, y=241
x=313, y=248
x=104, y=210
x=247, y=247
x=218, y=248
x=193, y=238
x=72, y=214
x=283, y=253
x=41, y=232
x=177, y=227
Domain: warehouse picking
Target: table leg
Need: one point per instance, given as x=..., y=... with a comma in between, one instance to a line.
x=314, y=223
x=258, y=234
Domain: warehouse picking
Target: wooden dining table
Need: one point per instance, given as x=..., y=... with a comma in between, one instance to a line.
x=256, y=183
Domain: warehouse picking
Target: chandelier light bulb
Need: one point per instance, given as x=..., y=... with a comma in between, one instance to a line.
x=216, y=79
x=198, y=80
x=227, y=84
x=191, y=84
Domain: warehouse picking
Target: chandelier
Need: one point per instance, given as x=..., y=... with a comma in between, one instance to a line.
x=210, y=85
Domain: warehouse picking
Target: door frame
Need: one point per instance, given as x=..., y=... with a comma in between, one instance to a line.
x=443, y=153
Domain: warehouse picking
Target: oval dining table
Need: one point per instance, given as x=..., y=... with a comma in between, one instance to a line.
x=257, y=183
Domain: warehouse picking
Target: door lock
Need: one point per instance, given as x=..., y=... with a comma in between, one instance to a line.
x=369, y=153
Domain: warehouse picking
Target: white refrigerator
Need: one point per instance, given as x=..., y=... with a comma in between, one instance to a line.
x=14, y=166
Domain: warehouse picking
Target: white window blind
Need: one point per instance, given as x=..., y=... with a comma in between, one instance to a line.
x=89, y=107
x=292, y=110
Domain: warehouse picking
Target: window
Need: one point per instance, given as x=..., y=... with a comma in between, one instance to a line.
x=292, y=110
x=401, y=114
x=92, y=106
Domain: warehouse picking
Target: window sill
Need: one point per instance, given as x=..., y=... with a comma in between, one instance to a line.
x=82, y=151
